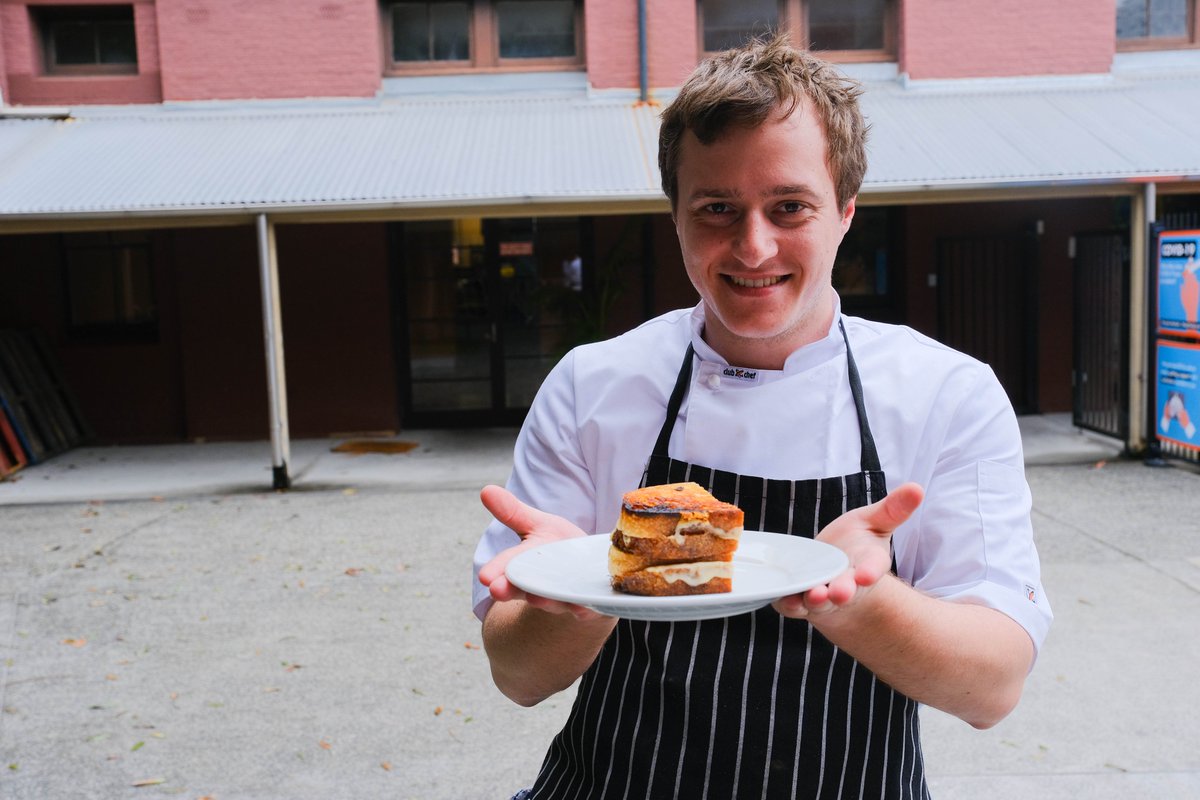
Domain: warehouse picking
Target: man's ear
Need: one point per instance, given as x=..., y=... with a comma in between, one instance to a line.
x=848, y=214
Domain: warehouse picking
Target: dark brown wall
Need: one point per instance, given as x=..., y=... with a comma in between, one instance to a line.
x=341, y=368
x=205, y=375
x=334, y=296
x=1061, y=219
x=128, y=391
x=221, y=333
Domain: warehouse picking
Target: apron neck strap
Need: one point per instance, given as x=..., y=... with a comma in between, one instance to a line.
x=675, y=403
x=869, y=456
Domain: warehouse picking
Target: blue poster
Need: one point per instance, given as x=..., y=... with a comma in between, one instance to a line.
x=1178, y=394
x=1179, y=283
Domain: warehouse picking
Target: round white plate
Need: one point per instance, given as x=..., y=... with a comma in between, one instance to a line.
x=766, y=566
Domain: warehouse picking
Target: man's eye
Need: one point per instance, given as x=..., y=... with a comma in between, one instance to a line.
x=791, y=207
x=717, y=208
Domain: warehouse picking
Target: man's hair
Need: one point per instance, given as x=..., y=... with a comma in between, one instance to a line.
x=749, y=84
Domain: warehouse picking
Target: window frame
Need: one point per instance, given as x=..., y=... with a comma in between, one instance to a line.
x=45, y=16
x=1148, y=43
x=484, y=38
x=110, y=245
x=793, y=16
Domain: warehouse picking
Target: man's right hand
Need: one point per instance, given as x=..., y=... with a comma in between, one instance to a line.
x=535, y=527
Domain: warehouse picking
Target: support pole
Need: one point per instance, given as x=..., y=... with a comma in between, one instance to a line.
x=643, y=61
x=268, y=264
x=1141, y=379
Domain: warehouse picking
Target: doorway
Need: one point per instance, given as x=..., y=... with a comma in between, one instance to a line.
x=482, y=315
x=987, y=307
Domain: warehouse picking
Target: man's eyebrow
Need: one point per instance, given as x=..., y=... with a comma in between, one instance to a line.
x=713, y=191
x=790, y=189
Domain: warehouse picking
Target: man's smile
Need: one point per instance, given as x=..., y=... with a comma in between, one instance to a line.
x=756, y=283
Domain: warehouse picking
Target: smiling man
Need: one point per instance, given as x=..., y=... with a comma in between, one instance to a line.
x=771, y=398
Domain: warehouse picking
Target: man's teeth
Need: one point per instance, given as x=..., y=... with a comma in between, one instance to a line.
x=755, y=283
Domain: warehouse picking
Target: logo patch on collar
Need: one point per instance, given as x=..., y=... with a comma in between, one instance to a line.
x=741, y=374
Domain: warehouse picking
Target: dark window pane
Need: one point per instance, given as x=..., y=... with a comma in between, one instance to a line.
x=1168, y=18
x=116, y=43
x=845, y=24
x=410, y=32
x=431, y=31
x=450, y=26
x=74, y=43
x=536, y=28
x=1139, y=19
x=730, y=23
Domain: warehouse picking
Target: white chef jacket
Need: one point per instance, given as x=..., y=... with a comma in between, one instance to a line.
x=939, y=418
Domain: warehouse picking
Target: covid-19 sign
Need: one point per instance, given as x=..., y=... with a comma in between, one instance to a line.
x=1179, y=283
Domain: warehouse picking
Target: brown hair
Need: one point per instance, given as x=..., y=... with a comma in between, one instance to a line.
x=745, y=86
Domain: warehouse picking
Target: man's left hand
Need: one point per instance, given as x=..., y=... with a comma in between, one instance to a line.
x=865, y=536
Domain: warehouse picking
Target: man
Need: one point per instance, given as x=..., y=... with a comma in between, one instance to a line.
x=762, y=155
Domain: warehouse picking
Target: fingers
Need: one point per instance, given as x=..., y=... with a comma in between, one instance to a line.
x=505, y=507
x=892, y=511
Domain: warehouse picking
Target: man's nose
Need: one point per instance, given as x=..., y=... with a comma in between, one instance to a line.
x=754, y=241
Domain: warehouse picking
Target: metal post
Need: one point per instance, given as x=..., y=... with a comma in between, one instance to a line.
x=643, y=66
x=268, y=264
x=1153, y=451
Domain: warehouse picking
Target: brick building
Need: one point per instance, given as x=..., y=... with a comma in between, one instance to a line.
x=424, y=203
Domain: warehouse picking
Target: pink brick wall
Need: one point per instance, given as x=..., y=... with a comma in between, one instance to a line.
x=234, y=49
x=611, y=28
x=985, y=38
x=20, y=56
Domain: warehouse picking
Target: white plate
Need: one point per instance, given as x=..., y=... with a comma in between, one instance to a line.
x=766, y=566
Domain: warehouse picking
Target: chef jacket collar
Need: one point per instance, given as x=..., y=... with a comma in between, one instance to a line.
x=805, y=358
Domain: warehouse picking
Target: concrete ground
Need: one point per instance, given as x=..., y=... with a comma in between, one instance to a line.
x=170, y=627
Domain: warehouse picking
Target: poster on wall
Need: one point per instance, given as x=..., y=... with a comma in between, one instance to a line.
x=1178, y=393
x=1179, y=283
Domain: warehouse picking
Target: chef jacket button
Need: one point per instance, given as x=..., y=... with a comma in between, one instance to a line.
x=714, y=381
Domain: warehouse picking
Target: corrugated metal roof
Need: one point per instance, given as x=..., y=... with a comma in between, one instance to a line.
x=416, y=152
x=1069, y=133
x=559, y=148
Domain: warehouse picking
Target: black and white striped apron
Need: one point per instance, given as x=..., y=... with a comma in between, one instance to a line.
x=751, y=706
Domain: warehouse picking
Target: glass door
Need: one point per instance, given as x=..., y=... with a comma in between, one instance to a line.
x=485, y=305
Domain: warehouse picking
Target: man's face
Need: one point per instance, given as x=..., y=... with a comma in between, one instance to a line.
x=759, y=227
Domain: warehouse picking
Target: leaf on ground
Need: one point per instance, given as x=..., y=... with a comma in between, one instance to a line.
x=354, y=572
x=325, y=745
x=387, y=765
x=137, y=747
x=148, y=782
x=75, y=642
x=470, y=646
x=437, y=711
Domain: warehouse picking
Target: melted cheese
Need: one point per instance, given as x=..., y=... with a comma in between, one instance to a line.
x=694, y=574
x=695, y=528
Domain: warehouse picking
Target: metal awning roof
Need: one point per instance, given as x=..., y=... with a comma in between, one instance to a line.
x=563, y=150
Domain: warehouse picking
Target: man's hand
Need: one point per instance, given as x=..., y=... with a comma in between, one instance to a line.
x=865, y=536
x=535, y=528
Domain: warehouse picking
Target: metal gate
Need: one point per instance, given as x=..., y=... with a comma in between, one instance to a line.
x=987, y=307
x=1099, y=377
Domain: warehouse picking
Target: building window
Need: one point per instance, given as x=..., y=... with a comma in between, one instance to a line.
x=110, y=285
x=456, y=35
x=1156, y=24
x=87, y=40
x=842, y=30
